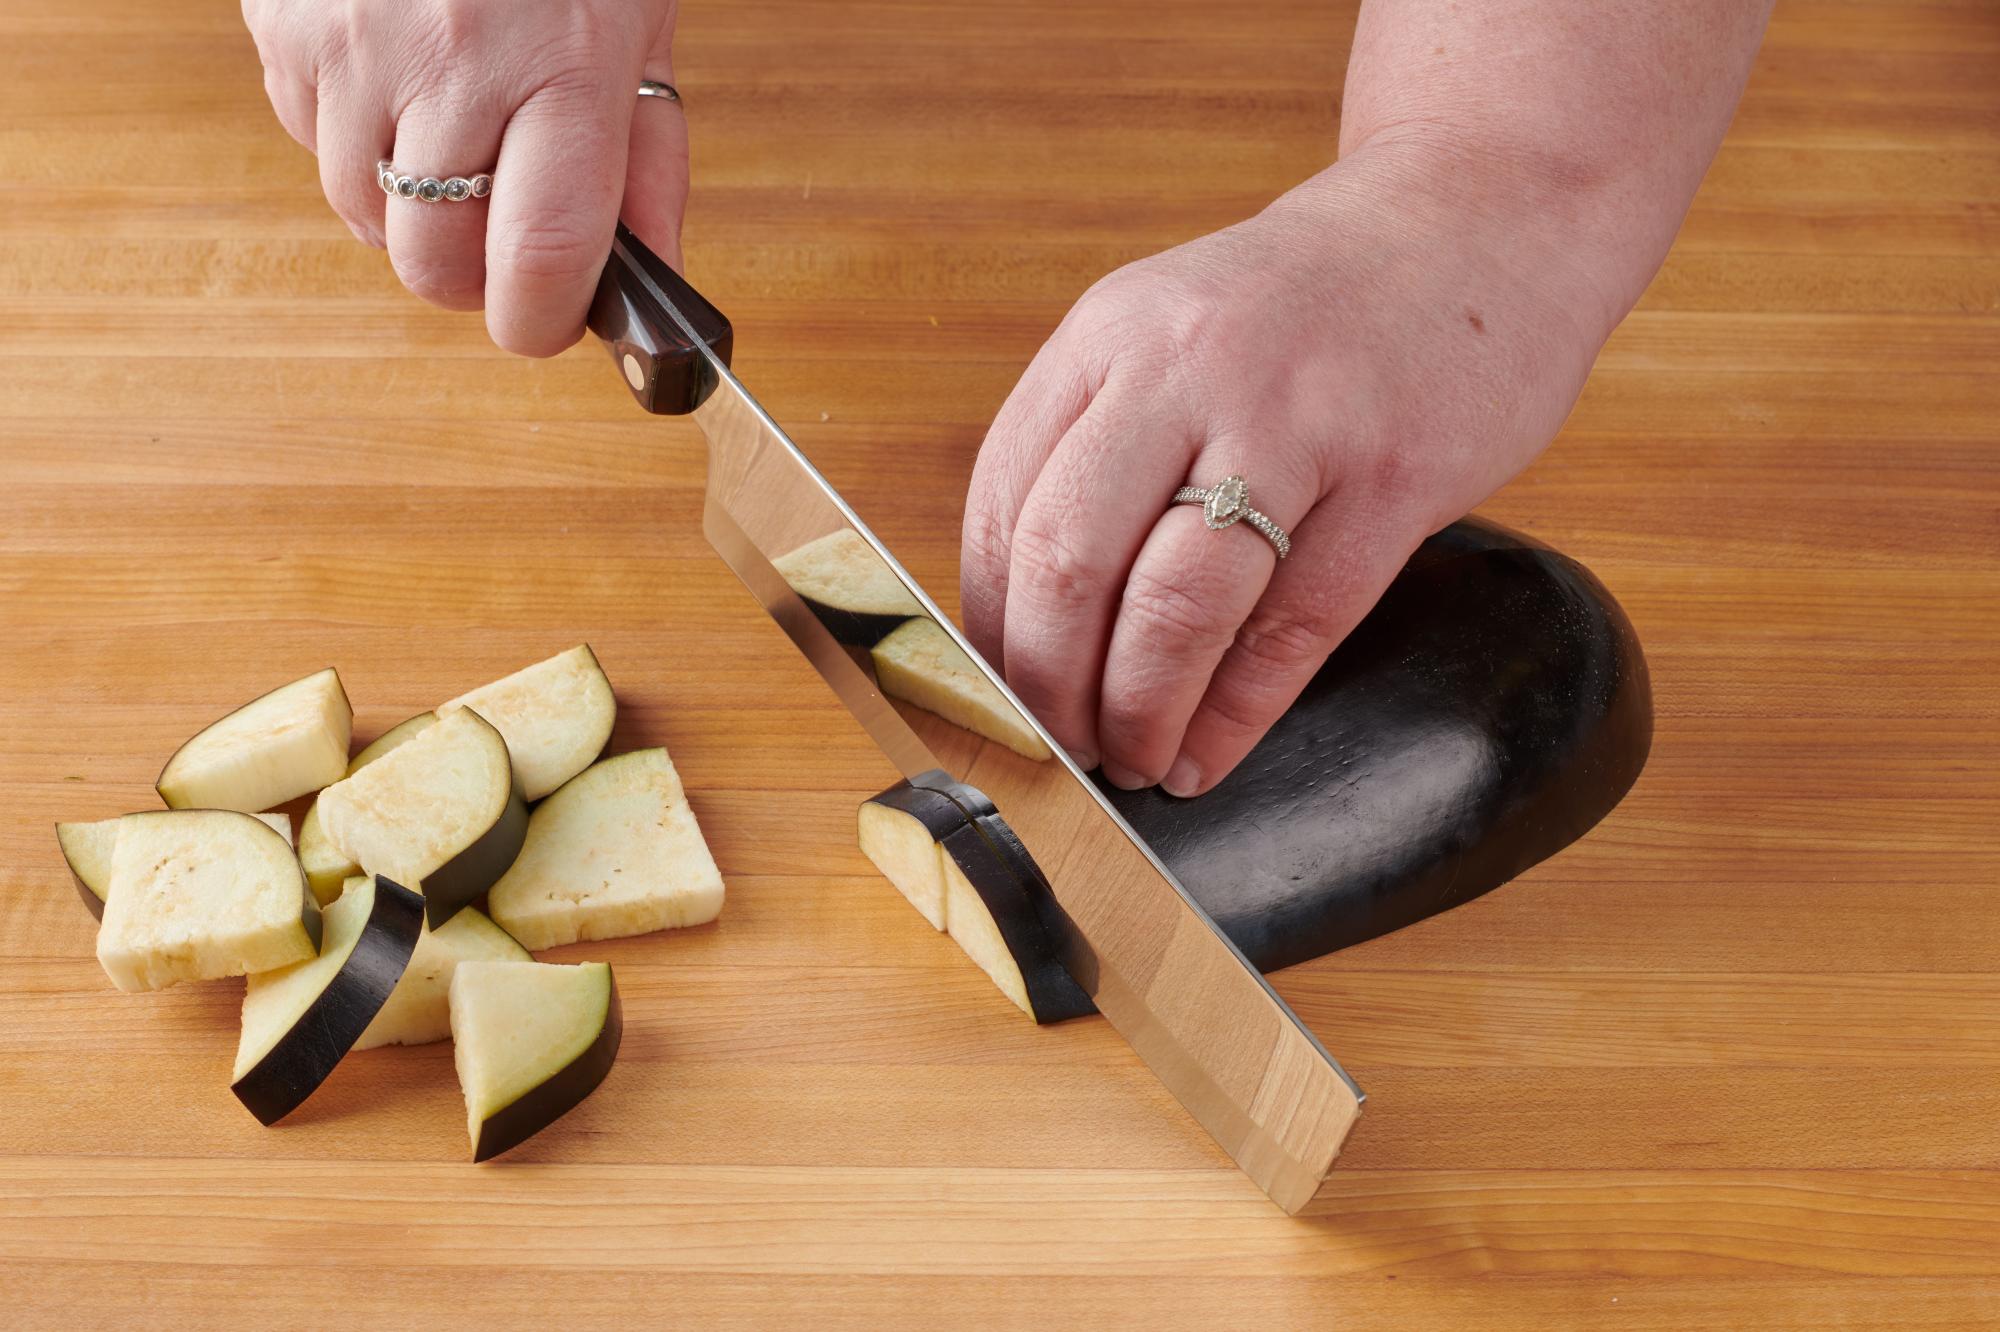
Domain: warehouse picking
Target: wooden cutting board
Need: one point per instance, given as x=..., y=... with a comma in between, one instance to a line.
x=1734, y=1060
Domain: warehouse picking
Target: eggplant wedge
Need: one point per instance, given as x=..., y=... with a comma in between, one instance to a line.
x=298, y=1023
x=974, y=873
x=326, y=868
x=276, y=748
x=199, y=894
x=87, y=849
x=556, y=716
x=419, y=1009
x=848, y=588
x=530, y=1040
x=920, y=664
x=616, y=851
x=442, y=811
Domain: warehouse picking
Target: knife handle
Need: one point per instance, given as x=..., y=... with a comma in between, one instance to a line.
x=663, y=335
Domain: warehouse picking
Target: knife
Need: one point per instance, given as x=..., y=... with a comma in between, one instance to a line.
x=1170, y=982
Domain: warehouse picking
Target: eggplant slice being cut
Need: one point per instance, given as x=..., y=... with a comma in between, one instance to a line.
x=199, y=894
x=848, y=588
x=530, y=1040
x=442, y=811
x=616, y=851
x=87, y=849
x=276, y=748
x=326, y=868
x=298, y=1023
x=419, y=1009
x=920, y=664
x=556, y=716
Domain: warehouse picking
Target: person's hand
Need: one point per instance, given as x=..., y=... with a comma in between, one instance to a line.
x=1373, y=354
x=545, y=96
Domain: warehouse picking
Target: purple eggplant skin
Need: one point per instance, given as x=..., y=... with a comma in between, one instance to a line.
x=934, y=810
x=296, y=1066
x=854, y=628
x=1491, y=709
x=464, y=879
x=542, y=1106
x=1053, y=993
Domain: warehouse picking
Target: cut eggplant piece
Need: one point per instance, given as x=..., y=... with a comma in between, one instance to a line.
x=87, y=849
x=615, y=852
x=920, y=664
x=326, y=868
x=848, y=588
x=556, y=716
x=291, y=741
x=301, y=1021
x=531, y=1040
x=900, y=830
x=956, y=852
x=198, y=894
x=419, y=1009
x=443, y=811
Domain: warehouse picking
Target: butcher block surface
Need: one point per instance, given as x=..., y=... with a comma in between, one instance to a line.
x=1732, y=1061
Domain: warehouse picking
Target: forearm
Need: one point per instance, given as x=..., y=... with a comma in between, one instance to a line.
x=1589, y=124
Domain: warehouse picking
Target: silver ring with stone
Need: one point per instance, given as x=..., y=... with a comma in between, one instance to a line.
x=1227, y=503
x=430, y=189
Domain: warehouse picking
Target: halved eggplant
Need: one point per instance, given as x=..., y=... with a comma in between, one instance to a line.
x=530, y=1041
x=298, y=1023
x=87, y=849
x=198, y=894
x=556, y=716
x=419, y=1010
x=848, y=588
x=975, y=870
x=616, y=851
x=326, y=868
x=273, y=749
x=442, y=811
x=920, y=664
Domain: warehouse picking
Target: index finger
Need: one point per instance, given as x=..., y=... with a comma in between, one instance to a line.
x=556, y=190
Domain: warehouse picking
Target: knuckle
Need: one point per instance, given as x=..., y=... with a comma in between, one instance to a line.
x=550, y=252
x=453, y=284
x=1175, y=618
x=1285, y=645
x=1050, y=567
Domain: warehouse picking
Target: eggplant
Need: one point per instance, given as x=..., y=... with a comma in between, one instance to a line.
x=848, y=588
x=87, y=849
x=418, y=1010
x=615, y=851
x=972, y=878
x=276, y=748
x=298, y=1023
x=199, y=894
x=556, y=716
x=530, y=1040
x=326, y=868
x=442, y=812
x=920, y=664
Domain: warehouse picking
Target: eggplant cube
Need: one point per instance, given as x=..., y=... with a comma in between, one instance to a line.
x=87, y=849
x=326, y=868
x=920, y=664
x=278, y=747
x=530, y=1040
x=200, y=894
x=556, y=715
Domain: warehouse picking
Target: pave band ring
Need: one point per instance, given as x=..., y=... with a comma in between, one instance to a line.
x=1228, y=502
x=430, y=189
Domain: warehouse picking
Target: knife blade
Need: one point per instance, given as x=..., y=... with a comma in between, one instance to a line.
x=1172, y=984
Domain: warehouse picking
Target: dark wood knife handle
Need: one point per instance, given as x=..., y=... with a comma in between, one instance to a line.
x=654, y=325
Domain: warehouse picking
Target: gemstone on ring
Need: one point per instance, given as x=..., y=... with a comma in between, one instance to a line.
x=482, y=185
x=430, y=189
x=1226, y=503
x=385, y=176
x=458, y=189
x=406, y=187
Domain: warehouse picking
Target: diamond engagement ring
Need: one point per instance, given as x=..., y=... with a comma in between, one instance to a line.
x=1229, y=502
x=430, y=189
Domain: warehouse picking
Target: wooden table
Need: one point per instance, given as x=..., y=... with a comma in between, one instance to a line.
x=1733, y=1061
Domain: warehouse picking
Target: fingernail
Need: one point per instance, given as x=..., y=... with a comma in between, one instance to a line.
x=1083, y=758
x=1124, y=778
x=1183, y=779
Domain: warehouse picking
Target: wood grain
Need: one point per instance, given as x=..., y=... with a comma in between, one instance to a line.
x=1734, y=1060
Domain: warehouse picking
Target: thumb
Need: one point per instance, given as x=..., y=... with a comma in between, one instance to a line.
x=656, y=171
